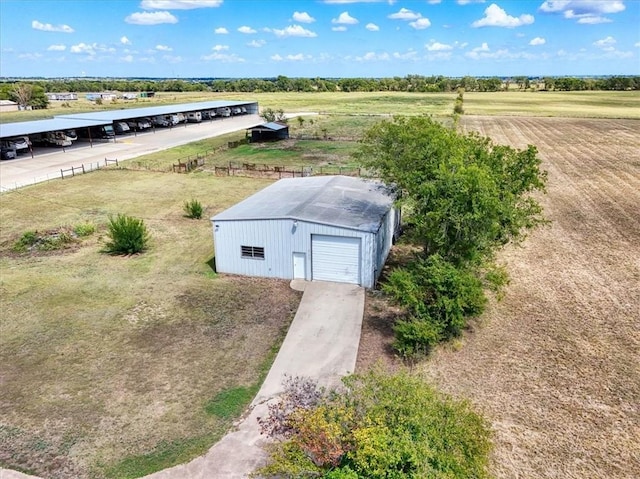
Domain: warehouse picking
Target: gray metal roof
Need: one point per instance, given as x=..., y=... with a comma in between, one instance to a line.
x=124, y=114
x=340, y=201
x=8, y=130
x=84, y=120
x=271, y=126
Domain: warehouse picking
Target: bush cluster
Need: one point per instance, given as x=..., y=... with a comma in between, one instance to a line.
x=193, y=209
x=376, y=427
x=127, y=235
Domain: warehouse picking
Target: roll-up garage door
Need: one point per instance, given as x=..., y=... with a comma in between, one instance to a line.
x=335, y=258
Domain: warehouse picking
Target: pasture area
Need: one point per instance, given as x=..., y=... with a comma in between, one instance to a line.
x=117, y=366
x=555, y=365
x=587, y=104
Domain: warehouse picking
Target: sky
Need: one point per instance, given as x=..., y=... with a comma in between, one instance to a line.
x=318, y=38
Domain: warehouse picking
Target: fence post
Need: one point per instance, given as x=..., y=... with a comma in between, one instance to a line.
x=83, y=169
x=61, y=174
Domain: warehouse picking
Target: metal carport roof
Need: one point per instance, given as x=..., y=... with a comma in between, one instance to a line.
x=271, y=126
x=8, y=130
x=125, y=114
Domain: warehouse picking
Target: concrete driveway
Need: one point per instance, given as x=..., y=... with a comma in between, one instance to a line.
x=322, y=343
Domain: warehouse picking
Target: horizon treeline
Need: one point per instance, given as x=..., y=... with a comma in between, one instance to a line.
x=409, y=83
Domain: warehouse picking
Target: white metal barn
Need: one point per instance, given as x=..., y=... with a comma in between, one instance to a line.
x=326, y=228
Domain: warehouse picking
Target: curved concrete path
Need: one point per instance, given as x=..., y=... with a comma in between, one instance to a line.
x=322, y=343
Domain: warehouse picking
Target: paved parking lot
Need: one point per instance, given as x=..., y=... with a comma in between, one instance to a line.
x=48, y=161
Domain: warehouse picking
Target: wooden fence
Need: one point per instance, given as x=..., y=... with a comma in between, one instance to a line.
x=269, y=171
x=84, y=168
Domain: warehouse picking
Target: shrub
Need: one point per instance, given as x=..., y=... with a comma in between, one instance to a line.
x=381, y=426
x=84, y=229
x=193, y=209
x=127, y=235
x=435, y=292
x=27, y=240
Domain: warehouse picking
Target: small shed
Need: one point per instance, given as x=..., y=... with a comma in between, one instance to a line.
x=326, y=228
x=8, y=105
x=271, y=131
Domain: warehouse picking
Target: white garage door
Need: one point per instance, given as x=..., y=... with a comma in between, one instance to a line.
x=335, y=258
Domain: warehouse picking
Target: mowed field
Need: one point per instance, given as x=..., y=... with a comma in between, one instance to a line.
x=555, y=365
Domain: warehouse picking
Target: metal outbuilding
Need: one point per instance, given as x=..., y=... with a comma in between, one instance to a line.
x=327, y=228
x=271, y=131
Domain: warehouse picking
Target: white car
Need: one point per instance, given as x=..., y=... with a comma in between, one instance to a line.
x=20, y=143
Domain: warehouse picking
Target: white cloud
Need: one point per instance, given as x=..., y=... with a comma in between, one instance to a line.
x=150, y=18
x=91, y=49
x=434, y=46
x=127, y=59
x=256, y=43
x=220, y=48
x=303, y=17
x=221, y=31
x=295, y=58
x=246, y=29
x=223, y=57
x=172, y=58
x=606, y=43
x=637, y=44
x=163, y=48
x=409, y=55
x=47, y=27
x=30, y=56
x=372, y=27
x=404, y=14
x=125, y=41
x=373, y=57
x=466, y=2
x=420, y=24
x=345, y=19
x=585, y=11
x=494, y=16
x=537, y=41
x=482, y=48
x=342, y=2
x=339, y=29
x=294, y=31
x=178, y=4
x=434, y=2
x=276, y=58
x=56, y=48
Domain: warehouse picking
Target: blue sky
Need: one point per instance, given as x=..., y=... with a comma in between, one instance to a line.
x=326, y=38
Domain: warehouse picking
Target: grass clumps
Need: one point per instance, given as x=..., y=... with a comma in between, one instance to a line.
x=377, y=426
x=84, y=229
x=127, y=235
x=49, y=240
x=231, y=402
x=193, y=209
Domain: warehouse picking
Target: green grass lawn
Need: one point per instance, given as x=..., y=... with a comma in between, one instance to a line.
x=110, y=365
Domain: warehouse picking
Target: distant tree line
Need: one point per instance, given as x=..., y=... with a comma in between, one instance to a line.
x=409, y=83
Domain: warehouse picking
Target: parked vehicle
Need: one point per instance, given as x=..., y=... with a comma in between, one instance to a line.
x=181, y=118
x=21, y=144
x=165, y=120
x=224, y=112
x=121, y=127
x=208, y=114
x=139, y=124
x=104, y=132
x=194, y=117
x=8, y=153
x=71, y=135
x=52, y=138
x=236, y=110
x=244, y=110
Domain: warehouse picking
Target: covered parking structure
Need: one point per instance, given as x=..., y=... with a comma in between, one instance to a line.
x=87, y=122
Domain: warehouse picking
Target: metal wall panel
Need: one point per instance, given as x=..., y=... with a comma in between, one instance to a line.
x=335, y=258
x=280, y=238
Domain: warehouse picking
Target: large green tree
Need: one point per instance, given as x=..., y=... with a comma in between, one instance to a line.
x=464, y=195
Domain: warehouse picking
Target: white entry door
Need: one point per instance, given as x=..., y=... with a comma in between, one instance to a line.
x=299, y=266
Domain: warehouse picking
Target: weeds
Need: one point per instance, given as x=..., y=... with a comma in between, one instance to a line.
x=193, y=209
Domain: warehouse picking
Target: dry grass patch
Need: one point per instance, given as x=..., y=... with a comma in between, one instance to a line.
x=104, y=358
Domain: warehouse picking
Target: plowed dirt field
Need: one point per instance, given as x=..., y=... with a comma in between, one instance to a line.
x=555, y=365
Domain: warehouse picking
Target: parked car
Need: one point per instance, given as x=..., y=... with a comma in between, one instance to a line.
x=52, y=138
x=21, y=144
x=104, y=132
x=8, y=153
x=194, y=117
x=71, y=135
x=121, y=127
x=236, y=110
x=139, y=124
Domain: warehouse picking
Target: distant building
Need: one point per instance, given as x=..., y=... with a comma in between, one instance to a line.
x=271, y=131
x=8, y=105
x=61, y=96
x=104, y=96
